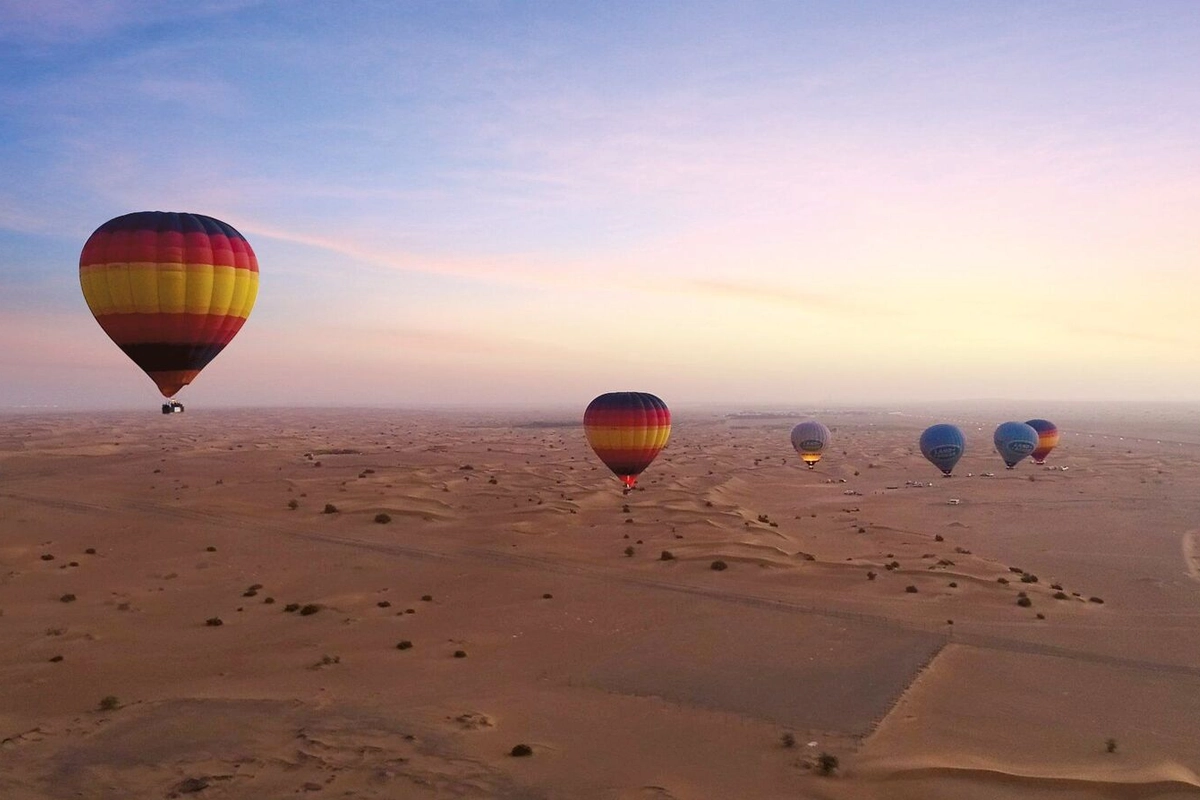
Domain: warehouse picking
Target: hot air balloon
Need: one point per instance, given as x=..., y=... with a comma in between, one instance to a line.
x=943, y=445
x=170, y=289
x=627, y=430
x=1014, y=441
x=810, y=438
x=1047, y=433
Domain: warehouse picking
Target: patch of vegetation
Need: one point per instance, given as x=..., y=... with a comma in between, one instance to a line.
x=293, y=504
x=871, y=576
x=109, y=703
x=210, y=549
x=788, y=739
x=1110, y=745
x=91, y=551
x=47, y=557
x=330, y=508
x=547, y=596
x=1029, y=578
x=953, y=584
x=309, y=609
x=213, y=622
x=521, y=751
x=383, y=519
x=667, y=555
x=1061, y=596
x=67, y=598
x=910, y=589
x=1024, y=602
x=1095, y=600
x=428, y=598
x=629, y=550
x=939, y=538
x=827, y=763
x=384, y=604
x=404, y=644
x=460, y=653
x=290, y=607
x=719, y=566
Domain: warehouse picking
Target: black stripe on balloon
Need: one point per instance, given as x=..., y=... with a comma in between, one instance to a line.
x=628, y=468
x=171, y=357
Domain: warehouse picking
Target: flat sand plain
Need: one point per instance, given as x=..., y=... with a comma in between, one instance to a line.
x=593, y=627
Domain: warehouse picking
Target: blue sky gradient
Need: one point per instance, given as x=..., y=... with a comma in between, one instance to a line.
x=462, y=203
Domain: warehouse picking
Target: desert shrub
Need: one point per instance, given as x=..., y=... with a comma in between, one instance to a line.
x=404, y=645
x=460, y=653
x=1024, y=602
x=47, y=557
x=384, y=604
x=827, y=763
x=1061, y=596
x=1057, y=586
x=91, y=551
x=1095, y=600
x=1110, y=745
x=293, y=504
x=521, y=751
x=939, y=538
x=269, y=600
x=1040, y=615
x=250, y=593
x=309, y=609
x=953, y=584
x=383, y=519
x=428, y=598
x=871, y=576
x=330, y=508
x=788, y=739
x=67, y=598
x=55, y=659
x=290, y=607
x=1002, y=580
x=109, y=702
x=492, y=480
x=547, y=596
x=667, y=555
x=910, y=589
x=213, y=622
x=1028, y=578
x=629, y=550
x=718, y=566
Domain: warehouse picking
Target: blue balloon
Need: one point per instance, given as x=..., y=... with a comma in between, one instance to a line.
x=943, y=445
x=1014, y=441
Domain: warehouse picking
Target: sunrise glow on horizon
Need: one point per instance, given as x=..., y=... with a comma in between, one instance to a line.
x=509, y=203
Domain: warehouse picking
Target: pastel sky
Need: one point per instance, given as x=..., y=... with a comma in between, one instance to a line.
x=477, y=203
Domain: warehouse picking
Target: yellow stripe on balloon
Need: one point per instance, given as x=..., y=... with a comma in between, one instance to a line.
x=627, y=437
x=169, y=289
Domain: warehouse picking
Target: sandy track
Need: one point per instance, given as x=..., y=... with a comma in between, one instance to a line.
x=1191, y=553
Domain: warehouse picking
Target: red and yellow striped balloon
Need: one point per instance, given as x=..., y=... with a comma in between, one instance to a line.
x=170, y=289
x=627, y=430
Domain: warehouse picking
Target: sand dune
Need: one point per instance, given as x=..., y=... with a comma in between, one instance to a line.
x=938, y=650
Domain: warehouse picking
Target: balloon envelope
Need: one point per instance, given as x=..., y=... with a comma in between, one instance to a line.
x=172, y=290
x=810, y=438
x=1014, y=441
x=627, y=430
x=943, y=445
x=1047, y=433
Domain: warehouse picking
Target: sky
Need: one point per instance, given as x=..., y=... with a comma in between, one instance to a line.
x=529, y=203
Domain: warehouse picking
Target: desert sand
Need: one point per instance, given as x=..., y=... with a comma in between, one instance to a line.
x=181, y=616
